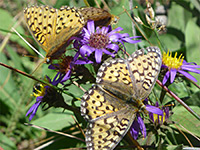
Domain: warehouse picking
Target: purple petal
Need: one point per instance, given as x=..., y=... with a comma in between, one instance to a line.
x=173, y=75
x=191, y=69
x=166, y=110
x=129, y=40
x=83, y=62
x=76, y=56
x=86, y=33
x=134, y=130
x=151, y=116
x=185, y=62
x=190, y=66
x=66, y=77
x=156, y=104
x=123, y=35
x=57, y=80
x=187, y=75
x=116, y=30
x=114, y=47
x=47, y=77
x=134, y=37
x=90, y=26
x=33, y=109
x=114, y=37
x=163, y=66
x=108, y=53
x=98, y=30
x=154, y=110
x=104, y=30
x=85, y=49
x=142, y=125
x=52, y=66
x=166, y=77
x=98, y=55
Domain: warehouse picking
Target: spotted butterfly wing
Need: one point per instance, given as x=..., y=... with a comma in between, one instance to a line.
x=110, y=106
x=100, y=16
x=52, y=28
x=134, y=76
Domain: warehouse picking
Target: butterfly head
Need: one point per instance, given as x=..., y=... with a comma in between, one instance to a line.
x=141, y=108
x=114, y=19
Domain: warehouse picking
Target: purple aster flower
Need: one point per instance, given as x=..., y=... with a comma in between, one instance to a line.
x=138, y=124
x=102, y=40
x=160, y=119
x=174, y=65
x=47, y=95
x=66, y=65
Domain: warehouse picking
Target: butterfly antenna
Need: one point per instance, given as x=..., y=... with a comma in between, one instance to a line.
x=124, y=11
x=86, y=3
x=96, y=2
x=38, y=66
x=105, y=5
x=28, y=43
x=57, y=132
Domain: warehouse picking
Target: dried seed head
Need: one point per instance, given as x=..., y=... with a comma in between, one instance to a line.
x=138, y=20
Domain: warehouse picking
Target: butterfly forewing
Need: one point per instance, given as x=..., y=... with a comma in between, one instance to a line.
x=52, y=28
x=114, y=76
x=144, y=70
x=109, y=118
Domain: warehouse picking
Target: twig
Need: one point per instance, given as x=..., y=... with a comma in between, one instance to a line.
x=179, y=100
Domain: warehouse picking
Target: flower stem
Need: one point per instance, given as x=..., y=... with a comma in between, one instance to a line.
x=179, y=100
x=36, y=79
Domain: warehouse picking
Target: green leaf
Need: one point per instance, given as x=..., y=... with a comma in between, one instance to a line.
x=16, y=60
x=56, y=120
x=170, y=41
x=126, y=25
x=179, y=89
x=178, y=16
x=196, y=4
x=7, y=21
x=6, y=143
x=171, y=147
x=194, y=99
x=9, y=91
x=192, y=38
x=183, y=117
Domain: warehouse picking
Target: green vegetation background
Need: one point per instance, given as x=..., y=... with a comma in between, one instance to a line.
x=182, y=36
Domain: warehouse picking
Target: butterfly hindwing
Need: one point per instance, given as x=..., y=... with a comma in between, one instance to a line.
x=109, y=118
x=100, y=16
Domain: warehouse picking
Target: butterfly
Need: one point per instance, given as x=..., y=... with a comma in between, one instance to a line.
x=110, y=106
x=100, y=16
x=52, y=28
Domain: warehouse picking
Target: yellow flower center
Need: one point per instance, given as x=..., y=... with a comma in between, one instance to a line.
x=172, y=62
x=160, y=118
x=38, y=90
